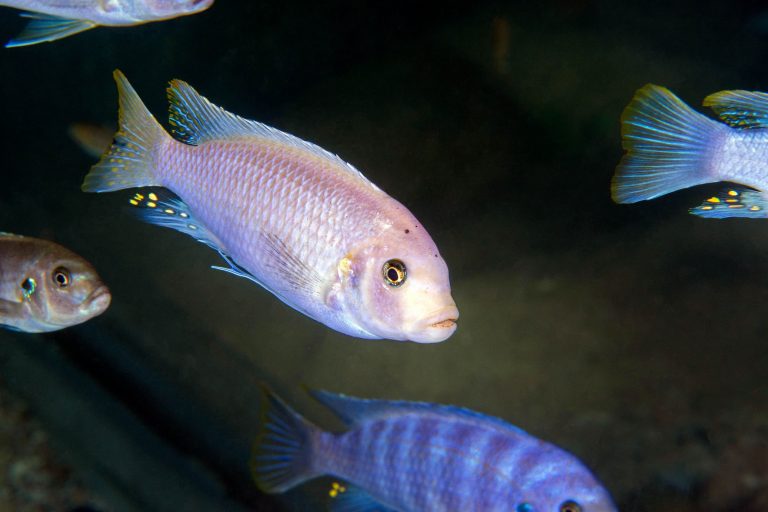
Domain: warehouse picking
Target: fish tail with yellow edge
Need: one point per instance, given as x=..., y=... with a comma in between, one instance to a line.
x=129, y=162
x=283, y=451
x=734, y=202
x=668, y=146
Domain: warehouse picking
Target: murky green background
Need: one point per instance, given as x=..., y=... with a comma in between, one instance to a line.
x=633, y=336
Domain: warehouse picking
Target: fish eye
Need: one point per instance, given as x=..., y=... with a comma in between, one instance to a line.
x=570, y=506
x=28, y=286
x=394, y=272
x=61, y=277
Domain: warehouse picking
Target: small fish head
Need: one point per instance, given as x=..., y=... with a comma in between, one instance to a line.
x=164, y=9
x=66, y=291
x=559, y=482
x=396, y=287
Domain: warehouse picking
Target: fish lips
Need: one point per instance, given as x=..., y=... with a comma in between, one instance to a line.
x=437, y=326
x=97, y=302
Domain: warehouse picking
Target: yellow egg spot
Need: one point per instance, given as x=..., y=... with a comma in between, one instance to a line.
x=754, y=208
x=345, y=266
x=183, y=215
x=134, y=202
x=732, y=193
x=192, y=227
x=731, y=200
x=735, y=206
x=151, y=204
x=168, y=211
x=152, y=196
x=139, y=196
x=713, y=200
x=706, y=207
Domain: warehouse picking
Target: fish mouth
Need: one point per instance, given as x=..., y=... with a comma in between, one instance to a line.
x=98, y=300
x=437, y=326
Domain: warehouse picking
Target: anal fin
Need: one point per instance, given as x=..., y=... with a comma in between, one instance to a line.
x=353, y=499
x=44, y=28
x=734, y=202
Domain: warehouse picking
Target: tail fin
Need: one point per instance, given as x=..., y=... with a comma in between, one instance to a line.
x=668, y=146
x=129, y=162
x=282, y=454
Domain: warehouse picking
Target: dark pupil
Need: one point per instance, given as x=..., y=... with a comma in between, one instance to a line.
x=61, y=277
x=393, y=274
x=27, y=285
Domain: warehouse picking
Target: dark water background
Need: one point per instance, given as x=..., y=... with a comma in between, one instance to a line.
x=633, y=336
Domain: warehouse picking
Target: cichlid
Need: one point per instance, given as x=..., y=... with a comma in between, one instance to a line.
x=421, y=457
x=284, y=213
x=56, y=19
x=46, y=287
x=670, y=147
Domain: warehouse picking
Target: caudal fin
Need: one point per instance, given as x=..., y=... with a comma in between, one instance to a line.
x=668, y=146
x=129, y=162
x=282, y=454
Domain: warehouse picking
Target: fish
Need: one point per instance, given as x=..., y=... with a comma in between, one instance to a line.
x=45, y=287
x=56, y=19
x=283, y=213
x=93, y=139
x=420, y=457
x=669, y=146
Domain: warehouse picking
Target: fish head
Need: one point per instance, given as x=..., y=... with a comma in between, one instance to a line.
x=165, y=9
x=559, y=482
x=396, y=287
x=63, y=289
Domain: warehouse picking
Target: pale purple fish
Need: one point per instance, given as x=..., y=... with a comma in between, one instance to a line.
x=284, y=213
x=46, y=287
x=56, y=19
x=421, y=457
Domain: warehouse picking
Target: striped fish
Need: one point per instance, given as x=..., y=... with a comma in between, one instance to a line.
x=421, y=457
x=284, y=213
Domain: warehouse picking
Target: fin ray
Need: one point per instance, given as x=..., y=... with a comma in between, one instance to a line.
x=740, y=109
x=129, y=162
x=45, y=28
x=667, y=145
x=282, y=451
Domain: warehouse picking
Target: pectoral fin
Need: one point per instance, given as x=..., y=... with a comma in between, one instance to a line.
x=44, y=28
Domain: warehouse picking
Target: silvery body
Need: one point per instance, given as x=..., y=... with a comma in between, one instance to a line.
x=284, y=213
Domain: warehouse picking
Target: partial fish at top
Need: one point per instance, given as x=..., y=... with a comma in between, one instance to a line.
x=284, y=213
x=670, y=147
x=56, y=19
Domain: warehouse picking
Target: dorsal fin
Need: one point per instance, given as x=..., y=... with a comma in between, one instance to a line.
x=353, y=410
x=194, y=120
x=740, y=109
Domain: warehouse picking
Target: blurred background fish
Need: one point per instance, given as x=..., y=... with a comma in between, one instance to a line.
x=92, y=138
x=671, y=146
x=421, y=457
x=55, y=19
x=46, y=287
x=285, y=214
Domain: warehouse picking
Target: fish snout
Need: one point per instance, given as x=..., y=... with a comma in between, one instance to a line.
x=437, y=326
x=98, y=301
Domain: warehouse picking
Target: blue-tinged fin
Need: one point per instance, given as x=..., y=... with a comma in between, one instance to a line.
x=667, y=144
x=282, y=453
x=353, y=410
x=740, y=109
x=347, y=498
x=195, y=120
x=129, y=162
x=734, y=202
x=44, y=28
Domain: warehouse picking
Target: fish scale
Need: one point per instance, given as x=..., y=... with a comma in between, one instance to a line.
x=284, y=213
